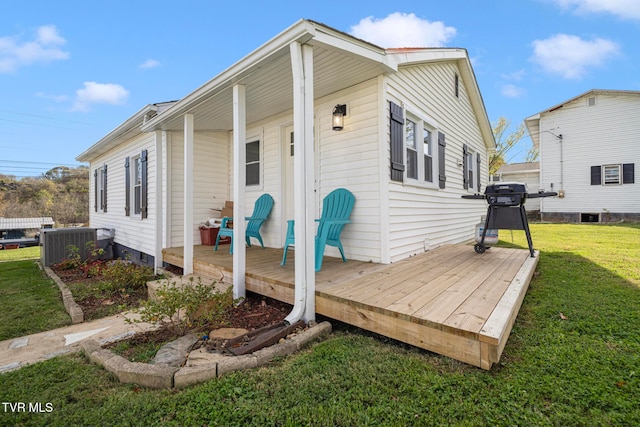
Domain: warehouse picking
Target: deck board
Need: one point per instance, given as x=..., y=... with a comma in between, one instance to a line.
x=449, y=300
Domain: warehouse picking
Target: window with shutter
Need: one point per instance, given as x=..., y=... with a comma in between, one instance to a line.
x=100, y=189
x=396, y=126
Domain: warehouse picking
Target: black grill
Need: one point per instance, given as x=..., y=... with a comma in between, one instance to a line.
x=506, y=209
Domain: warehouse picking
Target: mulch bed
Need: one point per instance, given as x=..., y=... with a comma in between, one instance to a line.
x=254, y=312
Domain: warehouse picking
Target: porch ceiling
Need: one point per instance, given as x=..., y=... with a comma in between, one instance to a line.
x=269, y=87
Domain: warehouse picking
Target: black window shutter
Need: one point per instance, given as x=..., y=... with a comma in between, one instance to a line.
x=104, y=189
x=127, y=188
x=628, y=173
x=143, y=159
x=396, y=127
x=465, y=168
x=442, y=178
x=596, y=175
x=95, y=190
x=478, y=171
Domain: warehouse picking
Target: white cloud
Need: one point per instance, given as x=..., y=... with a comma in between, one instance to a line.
x=570, y=56
x=516, y=75
x=626, y=9
x=511, y=91
x=99, y=93
x=45, y=47
x=150, y=63
x=403, y=30
x=55, y=98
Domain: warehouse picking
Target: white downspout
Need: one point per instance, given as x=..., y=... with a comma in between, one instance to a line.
x=304, y=195
x=159, y=196
x=188, y=193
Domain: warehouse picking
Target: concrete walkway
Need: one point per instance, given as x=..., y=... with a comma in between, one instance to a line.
x=18, y=352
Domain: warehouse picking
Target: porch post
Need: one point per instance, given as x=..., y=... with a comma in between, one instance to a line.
x=158, y=206
x=188, y=193
x=303, y=171
x=239, y=183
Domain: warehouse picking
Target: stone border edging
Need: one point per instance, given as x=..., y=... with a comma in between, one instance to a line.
x=73, y=309
x=163, y=376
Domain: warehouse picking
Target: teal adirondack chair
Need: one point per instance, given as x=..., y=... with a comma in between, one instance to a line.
x=336, y=210
x=261, y=211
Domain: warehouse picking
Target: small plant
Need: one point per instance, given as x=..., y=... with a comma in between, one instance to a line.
x=125, y=274
x=73, y=259
x=192, y=305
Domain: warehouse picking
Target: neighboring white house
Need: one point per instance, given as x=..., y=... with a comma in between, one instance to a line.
x=588, y=152
x=416, y=137
x=529, y=173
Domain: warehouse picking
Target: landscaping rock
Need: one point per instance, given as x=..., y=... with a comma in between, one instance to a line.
x=175, y=353
x=201, y=357
x=195, y=374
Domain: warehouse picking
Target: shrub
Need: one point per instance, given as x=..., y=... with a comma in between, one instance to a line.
x=125, y=274
x=181, y=308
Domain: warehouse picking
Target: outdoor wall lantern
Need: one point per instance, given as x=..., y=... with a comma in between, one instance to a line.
x=339, y=111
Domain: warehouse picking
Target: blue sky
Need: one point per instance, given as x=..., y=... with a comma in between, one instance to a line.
x=71, y=71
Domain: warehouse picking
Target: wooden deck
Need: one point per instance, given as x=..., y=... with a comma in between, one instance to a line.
x=450, y=300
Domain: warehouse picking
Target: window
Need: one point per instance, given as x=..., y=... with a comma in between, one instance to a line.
x=412, y=150
x=253, y=163
x=100, y=187
x=456, y=85
x=136, y=185
x=611, y=174
x=136, y=179
x=414, y=154
x=470, y=169
x=419, y=150
x=615, y=174
x=427, y=151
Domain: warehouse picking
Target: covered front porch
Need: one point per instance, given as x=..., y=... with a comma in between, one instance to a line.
x=450, y=300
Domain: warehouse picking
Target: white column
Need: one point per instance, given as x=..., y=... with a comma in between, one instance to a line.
x=158, y=206
x=188, y=193
x=239, y=184
x=303, y=171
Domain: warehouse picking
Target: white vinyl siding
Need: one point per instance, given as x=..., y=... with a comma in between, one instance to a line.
x=609, y=129
x=132, y=231
x=421, y=218
x=350, y=159
x=211, y=180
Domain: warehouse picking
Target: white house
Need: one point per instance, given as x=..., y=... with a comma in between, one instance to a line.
x=588, y=152
x=527, y=172
x=415, y=138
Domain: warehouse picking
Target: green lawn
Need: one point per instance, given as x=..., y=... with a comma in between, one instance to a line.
x=32, y=252
x=30, y=302
x=573, y=359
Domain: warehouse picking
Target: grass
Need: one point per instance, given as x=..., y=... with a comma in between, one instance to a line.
x=29, y=301
x=573, y=359
x=32, y=252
